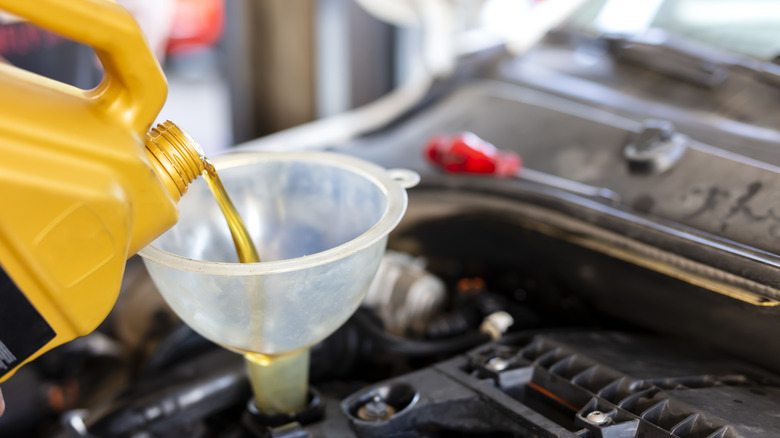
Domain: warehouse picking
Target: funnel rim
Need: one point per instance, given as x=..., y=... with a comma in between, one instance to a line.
x=390, y=185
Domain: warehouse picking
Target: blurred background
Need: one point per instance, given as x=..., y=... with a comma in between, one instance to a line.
x=242, y=69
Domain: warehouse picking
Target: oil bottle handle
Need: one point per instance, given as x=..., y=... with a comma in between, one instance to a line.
x=133, y=88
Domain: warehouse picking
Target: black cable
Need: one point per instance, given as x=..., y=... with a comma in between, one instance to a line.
x=407, y=347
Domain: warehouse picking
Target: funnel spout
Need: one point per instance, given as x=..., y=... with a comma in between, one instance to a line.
x=279, y=383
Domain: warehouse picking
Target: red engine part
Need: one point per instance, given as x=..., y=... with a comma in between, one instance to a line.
x=467, y=153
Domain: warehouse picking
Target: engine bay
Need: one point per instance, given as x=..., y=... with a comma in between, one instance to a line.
x=640, y=277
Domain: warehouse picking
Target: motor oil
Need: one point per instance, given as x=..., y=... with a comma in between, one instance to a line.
x=279, y=382
x=245, y=248
x=83, y=186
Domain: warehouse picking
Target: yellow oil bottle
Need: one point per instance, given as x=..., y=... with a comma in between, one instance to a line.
x=82, y=184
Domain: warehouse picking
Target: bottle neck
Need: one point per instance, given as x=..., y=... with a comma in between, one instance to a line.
x=176, y=157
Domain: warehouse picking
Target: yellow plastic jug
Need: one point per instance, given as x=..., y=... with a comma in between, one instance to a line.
x=82, y=184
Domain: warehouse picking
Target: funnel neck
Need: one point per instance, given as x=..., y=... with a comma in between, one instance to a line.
x=176, y=157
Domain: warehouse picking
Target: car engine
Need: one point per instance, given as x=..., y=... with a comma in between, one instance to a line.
x=626, y=286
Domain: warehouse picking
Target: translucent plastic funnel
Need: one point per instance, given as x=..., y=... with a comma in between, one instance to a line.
x=320, y=222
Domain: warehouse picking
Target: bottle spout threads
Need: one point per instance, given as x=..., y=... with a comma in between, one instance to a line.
x=176, y=157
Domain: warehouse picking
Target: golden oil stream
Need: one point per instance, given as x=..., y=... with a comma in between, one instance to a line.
x=279, y=382
x=245, y=248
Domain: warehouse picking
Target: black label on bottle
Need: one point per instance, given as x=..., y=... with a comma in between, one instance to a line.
x=23, y=331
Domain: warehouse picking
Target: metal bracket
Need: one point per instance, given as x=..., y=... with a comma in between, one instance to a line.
x=656, y=148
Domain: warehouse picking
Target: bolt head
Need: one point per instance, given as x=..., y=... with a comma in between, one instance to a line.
x=497, y=364
x=375, y=409
x=597, y=417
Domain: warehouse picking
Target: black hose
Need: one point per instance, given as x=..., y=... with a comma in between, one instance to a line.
x=181, y=343
x=407, y=347
x=209, y=384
